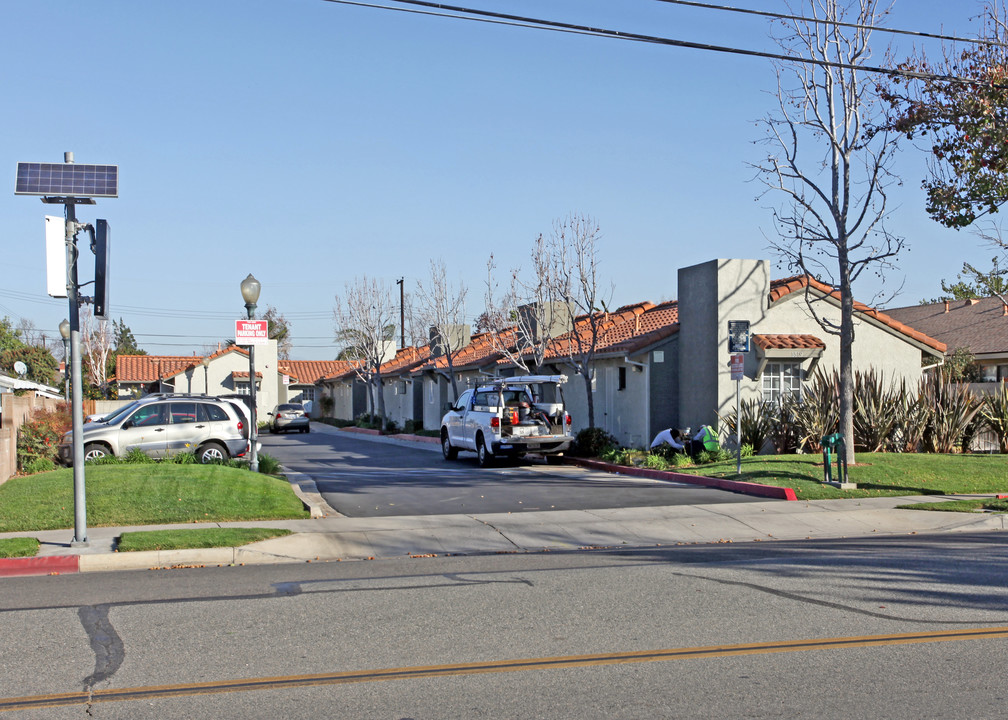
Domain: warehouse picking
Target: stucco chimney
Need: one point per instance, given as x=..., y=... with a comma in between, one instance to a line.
x=973, y=301
x=946, y=306
x=1004, y=309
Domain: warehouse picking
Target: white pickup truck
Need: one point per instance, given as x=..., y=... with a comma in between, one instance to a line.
x=509, y=417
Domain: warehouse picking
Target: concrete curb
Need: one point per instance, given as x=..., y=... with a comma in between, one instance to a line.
x=40, y=565
x=745, y=488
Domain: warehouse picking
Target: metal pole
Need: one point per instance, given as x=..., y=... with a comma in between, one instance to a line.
x=402, y=312
x=254, y=430
x=76, y=386
x=738, y=429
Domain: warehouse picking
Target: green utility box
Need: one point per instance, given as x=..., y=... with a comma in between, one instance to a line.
x=834, y=444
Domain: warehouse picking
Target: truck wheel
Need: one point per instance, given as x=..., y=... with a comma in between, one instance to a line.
x=447, y=450
x=483, y=454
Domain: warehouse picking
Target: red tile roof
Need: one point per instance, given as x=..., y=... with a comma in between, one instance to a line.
x=788, y=342
x=782, y=288
x=148, y=368
x=306, y=372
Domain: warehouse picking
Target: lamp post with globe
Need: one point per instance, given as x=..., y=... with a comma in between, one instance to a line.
x=250, y=288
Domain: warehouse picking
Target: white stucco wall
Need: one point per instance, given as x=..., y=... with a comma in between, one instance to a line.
x=623, y=413
x=717, y=291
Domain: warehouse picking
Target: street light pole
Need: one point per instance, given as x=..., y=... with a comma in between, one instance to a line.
x=206, y=375
x=77, y=408
x=250, y=288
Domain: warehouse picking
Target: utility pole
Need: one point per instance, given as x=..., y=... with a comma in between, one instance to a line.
x=402, y=312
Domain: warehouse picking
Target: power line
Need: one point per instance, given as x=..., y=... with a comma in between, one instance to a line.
x=820, y=21
x=473, y=14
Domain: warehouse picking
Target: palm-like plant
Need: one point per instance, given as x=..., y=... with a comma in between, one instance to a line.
x=876, y=411
x=913, y=417
x=995, y=412
x=953, y=407
x=757, y=423
x=819, y=411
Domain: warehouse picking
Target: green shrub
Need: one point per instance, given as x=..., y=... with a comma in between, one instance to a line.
x=681, y=460
x=412, y=427
x=38, y=465
x=39, y=437
x=952, y=409
x=185, y=458
x=654, y=461
x=616, y=456
x=818, y=413
x=747, y=450
x=757, y=422
x=105, y=460
x=876, y=411
x=137, y=456
x=268, y=464
x=785, y=433
x=704, y=457
x=995, y=412
x=391, y=427
x=592, y=442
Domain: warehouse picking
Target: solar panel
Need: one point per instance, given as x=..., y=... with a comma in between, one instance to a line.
x=67, y=179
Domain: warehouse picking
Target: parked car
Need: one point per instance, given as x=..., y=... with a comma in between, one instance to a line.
x=287, y=417
x=162, y=425
x=509, y=417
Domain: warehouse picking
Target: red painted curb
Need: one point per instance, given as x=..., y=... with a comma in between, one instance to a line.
x=746, y=488
x=362, y=431
x=45, y=565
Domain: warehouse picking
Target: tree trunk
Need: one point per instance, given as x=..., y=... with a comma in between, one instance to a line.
x=381, y=401
x=846, y=360
x=590, y=397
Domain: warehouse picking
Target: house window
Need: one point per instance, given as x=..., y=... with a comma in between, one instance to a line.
x=307, y=394
x=621, y=381
x=782, y=378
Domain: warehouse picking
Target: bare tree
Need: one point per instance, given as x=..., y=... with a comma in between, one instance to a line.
x=96, y=347
x=362, y=317
x=279, y=330
x=525, y=318
x=573, y=251
x=441, y=307
x=832, y=173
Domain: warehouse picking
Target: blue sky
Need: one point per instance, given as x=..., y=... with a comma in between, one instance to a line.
x=308, y=143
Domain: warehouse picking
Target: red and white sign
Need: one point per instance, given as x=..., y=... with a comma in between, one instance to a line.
x=737, y=366
x=251, y=332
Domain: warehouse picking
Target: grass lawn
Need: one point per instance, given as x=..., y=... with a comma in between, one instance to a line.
x=18, y=547
x=996, y=506
x=146, y=495
x=197, y=538
x=876, y=474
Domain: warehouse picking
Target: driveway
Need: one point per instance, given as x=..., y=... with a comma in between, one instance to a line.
x=363, y=478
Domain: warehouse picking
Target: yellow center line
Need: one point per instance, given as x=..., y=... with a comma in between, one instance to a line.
x=545, y=663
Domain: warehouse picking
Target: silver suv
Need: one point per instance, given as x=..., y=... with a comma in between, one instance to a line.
x=162, y=425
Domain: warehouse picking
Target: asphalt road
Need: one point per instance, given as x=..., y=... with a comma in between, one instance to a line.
x=913, y=627
x=361, y=478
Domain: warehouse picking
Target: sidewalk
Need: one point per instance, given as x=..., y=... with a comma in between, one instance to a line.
x=332, y=537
